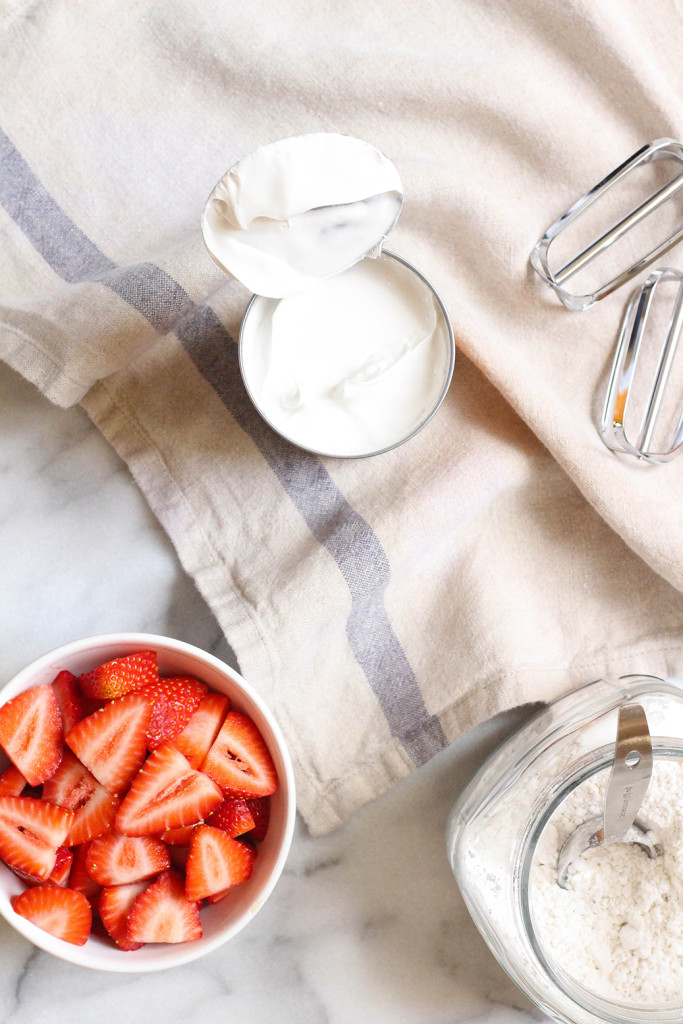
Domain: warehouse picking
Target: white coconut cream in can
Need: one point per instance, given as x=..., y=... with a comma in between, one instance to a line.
x=345, y=350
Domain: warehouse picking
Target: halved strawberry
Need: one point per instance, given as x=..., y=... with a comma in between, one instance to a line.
x=114, y=905
x=117, y=860
x=216, y=862
x=30, y=833
x=12, y=782
x=72, y=704
x=260, y=812
x=166, y=793
x=179, y=836
x=31, y=733
x=74, y=787
x=198, y=735
x=81, y=880
x=63, y=861
x=61, y=912
x=162, y=913
x=120, y=676
x=232, y=816
x=59, y=874
x=239, y=760
x=174, y=701
x=111, y=743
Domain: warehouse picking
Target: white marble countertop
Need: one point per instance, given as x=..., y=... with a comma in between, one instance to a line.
x=366, y=924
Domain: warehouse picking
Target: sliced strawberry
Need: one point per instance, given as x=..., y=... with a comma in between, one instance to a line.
x=239, y=760
x=80, y=879
x=72, y=786
x=166, y=793
x=179, y=836
x=197, y=737
x=174, y=701
x=61, y=912
x=260, y=812
x=121, y=676
x=232, y=816
x=218, y=896
x=12, y=782
x=30, y=833
x=59, y=874
x=31, y=733
x=216, y=862
x=72, y=704
x=114, y=905
x=111, y=743
x=162, y=913
x=117, y=860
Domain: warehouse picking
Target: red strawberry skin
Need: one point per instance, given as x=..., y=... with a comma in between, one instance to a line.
x=31, y=733
x=216, y=862
x=197, y=737
x=118, y=860
x=120, y=676
x=80, y=879
x=114, y=906
x=111, y=743
x=30, y=833
x=260, y=812
x=74, y=787
x=166, y=794
x=239, y=760
x=174, y=701
x=61, y=912
x=72, y=705
x=232, y=816
x=162, y=913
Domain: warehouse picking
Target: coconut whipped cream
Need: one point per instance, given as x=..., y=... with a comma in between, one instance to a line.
x=298, y=210
x=353, y=365
x=346, y=351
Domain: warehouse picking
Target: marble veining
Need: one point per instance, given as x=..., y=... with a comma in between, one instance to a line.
x=366, y=925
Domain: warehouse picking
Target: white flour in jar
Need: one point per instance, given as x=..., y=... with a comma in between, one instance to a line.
x=618, y=928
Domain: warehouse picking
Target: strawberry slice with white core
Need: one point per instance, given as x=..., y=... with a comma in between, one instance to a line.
x=166, y=793
x=74, y=787
x=114, y=905
x=174, y=701
x=216, y=862
x=30, y=833
x=239, y=760
x=117, y=860
x=162, y=913
x=197, y=737
x=120, y=676
x=61, y=912
x=59, y=874
x=12, y=782
x=111, y=743
x=31, y=733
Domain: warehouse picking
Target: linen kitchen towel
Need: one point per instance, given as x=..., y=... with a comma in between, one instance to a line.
x=502, y=556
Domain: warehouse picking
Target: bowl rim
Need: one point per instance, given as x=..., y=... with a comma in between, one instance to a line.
x=175, y=954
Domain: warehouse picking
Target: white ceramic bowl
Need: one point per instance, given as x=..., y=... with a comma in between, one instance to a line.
x=223, y=920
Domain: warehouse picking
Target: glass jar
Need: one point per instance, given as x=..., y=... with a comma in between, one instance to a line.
x=496, y=825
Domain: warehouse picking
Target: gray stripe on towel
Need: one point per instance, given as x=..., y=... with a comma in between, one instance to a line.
x=346, y=535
